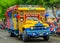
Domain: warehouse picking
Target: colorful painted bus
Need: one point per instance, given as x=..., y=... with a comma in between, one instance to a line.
x=27, y=22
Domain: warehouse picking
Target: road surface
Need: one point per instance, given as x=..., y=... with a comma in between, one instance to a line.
x=4, y=38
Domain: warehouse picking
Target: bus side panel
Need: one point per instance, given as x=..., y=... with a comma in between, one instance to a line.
x=15, y=23
x=11, y=24
x=20, y=24
x=8, y=23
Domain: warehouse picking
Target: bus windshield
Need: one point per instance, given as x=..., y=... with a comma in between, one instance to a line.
x=32, y=18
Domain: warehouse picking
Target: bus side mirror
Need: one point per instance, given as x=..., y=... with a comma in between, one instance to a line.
x=15, y=15
x=46, y=15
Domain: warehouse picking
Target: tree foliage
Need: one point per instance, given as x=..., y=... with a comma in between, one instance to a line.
x=4, y=4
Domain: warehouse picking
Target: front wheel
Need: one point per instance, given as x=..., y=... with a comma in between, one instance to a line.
x=46, y=38
x=19, y=37
x=25, y=36
x=12, y=35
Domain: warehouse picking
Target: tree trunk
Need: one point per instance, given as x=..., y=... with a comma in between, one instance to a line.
x=53, y=11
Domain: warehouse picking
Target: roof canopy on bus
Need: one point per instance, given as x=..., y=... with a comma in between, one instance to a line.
x=24, y=7
x=30, y=8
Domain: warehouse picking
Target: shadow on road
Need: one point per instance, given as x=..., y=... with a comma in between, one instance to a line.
x=36, y=40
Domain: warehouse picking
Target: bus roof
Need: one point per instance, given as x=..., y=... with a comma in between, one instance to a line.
x=31, y=8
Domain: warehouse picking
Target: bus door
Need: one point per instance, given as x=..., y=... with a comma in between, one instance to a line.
x=14, y=19
x=9, y=20
x=21, y=20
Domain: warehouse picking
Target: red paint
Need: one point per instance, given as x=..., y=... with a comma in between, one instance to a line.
x=58, y=30
x=18, y=16
x=53, y=26
x=6, y=15
x=8, y=23
x=38, y=16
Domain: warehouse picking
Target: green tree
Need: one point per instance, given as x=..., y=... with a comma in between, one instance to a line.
x=29, y=2
x=4, y=4
x=53, y=4
x=21, y=2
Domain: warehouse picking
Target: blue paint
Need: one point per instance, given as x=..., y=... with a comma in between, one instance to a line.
x=10, y=14
x=37, y=32
x=46, y=15
x=26, y=29
x=39, y=24
x=15, y=32
x=15, y=15
x=11, y=24
x=38, y=29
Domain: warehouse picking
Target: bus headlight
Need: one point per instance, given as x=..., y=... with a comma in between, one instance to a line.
x=47, y=33
x=21, y=19
x=32, y=28
x=45, y=27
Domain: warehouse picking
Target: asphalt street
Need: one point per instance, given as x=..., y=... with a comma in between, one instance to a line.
x=5, y=38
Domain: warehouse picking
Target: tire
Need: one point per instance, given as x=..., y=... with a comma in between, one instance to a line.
x=25, y=36
x=46, y=38
x=19, y=37
x=12, y=35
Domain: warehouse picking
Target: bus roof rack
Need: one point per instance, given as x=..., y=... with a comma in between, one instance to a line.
x=29, y=5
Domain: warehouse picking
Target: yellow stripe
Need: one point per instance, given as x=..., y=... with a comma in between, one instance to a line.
x=14, y=23
x=32, y=8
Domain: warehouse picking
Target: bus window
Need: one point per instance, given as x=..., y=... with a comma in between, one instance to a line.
x=21, y=13
x=40, y=14
x=14, y=14
x=32, y=18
